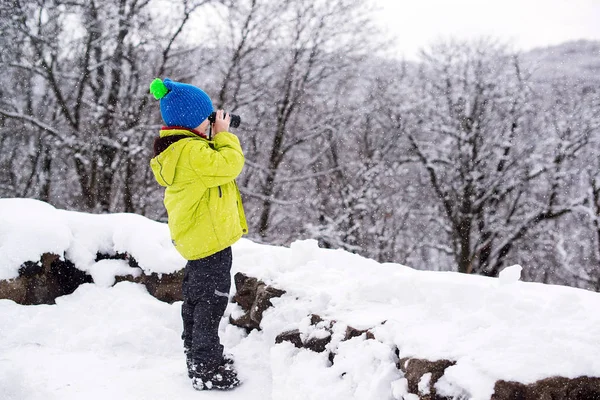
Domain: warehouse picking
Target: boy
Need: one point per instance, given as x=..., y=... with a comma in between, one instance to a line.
x=206, y=217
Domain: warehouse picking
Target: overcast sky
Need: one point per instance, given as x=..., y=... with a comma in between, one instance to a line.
x=523, y=23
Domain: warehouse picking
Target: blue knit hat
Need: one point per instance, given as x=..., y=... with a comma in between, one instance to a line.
x=181, y=104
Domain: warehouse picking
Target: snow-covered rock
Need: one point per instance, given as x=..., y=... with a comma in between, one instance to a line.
x=30, y=228
x=46, y=253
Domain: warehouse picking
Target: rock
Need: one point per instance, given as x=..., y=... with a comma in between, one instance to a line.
x=245, y=291
x=414, y=369
x=14, y=289
x=264, y=294
x=315, y=319
x=318, y=345
x=290, y=336
x=68, y=276
x=41, y=282
x=582, y=388
x=315, y=344
x=165, y=287
x=254, y=297
x=353, y=332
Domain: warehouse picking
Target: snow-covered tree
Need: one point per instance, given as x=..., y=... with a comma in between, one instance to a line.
x=86, y=65
x=495, y=170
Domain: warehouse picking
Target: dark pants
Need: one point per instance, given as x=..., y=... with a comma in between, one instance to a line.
x=206, y=285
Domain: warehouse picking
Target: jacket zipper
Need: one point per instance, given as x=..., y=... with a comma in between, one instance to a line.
x=220, y=192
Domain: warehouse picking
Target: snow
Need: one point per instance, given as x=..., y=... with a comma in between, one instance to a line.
x=106, y=343
x=119, y=342
x=510, y=274
x=104, y=272
x=493, y=330
x=29, y=228
x=424, y=383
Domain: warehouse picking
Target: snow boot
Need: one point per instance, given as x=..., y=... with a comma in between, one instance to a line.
x=227, y=359
x=223, y=377
x=191, y=367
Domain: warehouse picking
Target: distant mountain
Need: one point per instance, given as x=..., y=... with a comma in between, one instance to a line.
x=574, y=62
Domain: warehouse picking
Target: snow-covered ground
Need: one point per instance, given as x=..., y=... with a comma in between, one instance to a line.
x=119, y=342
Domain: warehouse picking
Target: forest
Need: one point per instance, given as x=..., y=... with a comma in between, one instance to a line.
x=472, y=158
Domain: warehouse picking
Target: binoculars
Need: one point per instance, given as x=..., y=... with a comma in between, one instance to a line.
x=234, y=123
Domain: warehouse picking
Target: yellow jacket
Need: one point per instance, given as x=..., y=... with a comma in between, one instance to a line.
x=203, y=202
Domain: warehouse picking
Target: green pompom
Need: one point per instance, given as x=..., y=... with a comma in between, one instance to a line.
x=158, y=89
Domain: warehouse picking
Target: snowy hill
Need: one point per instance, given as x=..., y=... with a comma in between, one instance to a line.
x=118, y=341
x=576, y=62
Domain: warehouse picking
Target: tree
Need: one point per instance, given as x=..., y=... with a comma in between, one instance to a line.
x=90, y=61
x=475, y=137
x=356, y=203
x=310, y=44
x=575, y=116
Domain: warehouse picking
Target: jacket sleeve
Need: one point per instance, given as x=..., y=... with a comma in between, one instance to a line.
x=220, y=165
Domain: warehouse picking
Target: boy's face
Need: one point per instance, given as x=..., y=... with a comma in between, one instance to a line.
x=203, y=127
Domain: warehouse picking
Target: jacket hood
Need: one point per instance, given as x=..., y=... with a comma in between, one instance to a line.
x=163, y=166
x=166, y=156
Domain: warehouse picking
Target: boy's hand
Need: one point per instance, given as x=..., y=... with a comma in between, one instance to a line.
x=221, y=124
